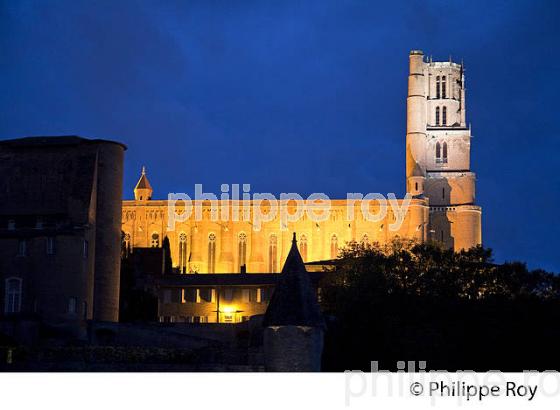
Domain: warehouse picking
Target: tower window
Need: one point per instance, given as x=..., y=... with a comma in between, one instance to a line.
x=437, y=87
x=72, y=305
x=416, y=186
x=22, y=248
x=272, y=254
x=50, y=245
x=212, y=253
x=444, y=116
x=443, y=87
x=442, y=193
x=437, y=115
x=445, y=152
x=438, y=152
x=12, y=300
x=85, y=249
x=242, y=250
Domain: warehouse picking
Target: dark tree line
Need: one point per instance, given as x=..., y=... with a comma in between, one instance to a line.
x=454, y=310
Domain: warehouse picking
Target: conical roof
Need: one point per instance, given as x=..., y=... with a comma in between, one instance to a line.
x=143, y=182
x=294, y=302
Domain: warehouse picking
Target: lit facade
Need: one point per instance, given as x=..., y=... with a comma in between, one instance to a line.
x=438, y=175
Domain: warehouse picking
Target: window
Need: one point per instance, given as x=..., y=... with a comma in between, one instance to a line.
x=251, y=295
x=50, y=246
x=242, y=250
x=85, y=249
x=228, y=295
x=166, y=296
x=11, y=225
x=303, y=247
x=191, y=295
x=211, y=253
x=445, y=152
x=182, y=252
x=72, y=305
x=334, y=247
x=206, y=295
x=12, y=300
x=266, y=294
x=85, y=310
x=365, y=238
x=127, y=241
x=442, y=193
x=437, y=87
x=437, y=115
x=155, y=240
x=272, y=254
x=438, y=152
x=443, y=87
x=444, y=116
x=22, y=247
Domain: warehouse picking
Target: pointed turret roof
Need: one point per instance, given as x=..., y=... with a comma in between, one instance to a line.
x=294, y=302
x=143, y=182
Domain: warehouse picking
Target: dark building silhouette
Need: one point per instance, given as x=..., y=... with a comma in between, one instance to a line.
x=293, y=322
x=60, y=229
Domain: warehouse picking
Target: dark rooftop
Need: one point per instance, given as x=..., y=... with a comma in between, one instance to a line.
x=294, y=302
x=53, y=140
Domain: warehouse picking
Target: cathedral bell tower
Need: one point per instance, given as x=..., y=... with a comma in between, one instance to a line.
x=143, y=190
x=438, y=151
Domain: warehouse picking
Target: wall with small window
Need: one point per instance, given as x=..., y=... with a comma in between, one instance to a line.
x=229, y=303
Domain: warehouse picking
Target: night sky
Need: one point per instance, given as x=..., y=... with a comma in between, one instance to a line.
x=294, y=96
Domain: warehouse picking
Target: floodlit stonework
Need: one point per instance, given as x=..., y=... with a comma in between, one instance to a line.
x=438, y=177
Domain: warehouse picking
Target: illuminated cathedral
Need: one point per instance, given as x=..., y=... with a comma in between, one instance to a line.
x=438, y=177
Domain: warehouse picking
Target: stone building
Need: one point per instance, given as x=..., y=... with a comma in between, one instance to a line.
x=438, y=175
x=60, y=228
x=217, y=297
x=438, y=145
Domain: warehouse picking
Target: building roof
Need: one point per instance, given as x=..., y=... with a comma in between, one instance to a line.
x=41, y=141
x=143, y=182
x=294, y=302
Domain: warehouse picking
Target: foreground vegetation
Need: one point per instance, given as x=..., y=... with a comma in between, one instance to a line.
x=456, y=311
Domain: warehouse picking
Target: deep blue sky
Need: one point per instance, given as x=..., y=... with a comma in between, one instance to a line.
x=294, y=96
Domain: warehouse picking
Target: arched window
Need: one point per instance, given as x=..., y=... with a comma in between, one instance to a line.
x=437, y=87
x=211, y=253
x=437, y=115
x=443, y=87
x=444, y=116
x=12, y=300
x=155, y=240
x=334, y=247
x=183, y=252
x=303, y=247
x=438, y=152
x=272, y=254
x=445, y=152
x=242, y=249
